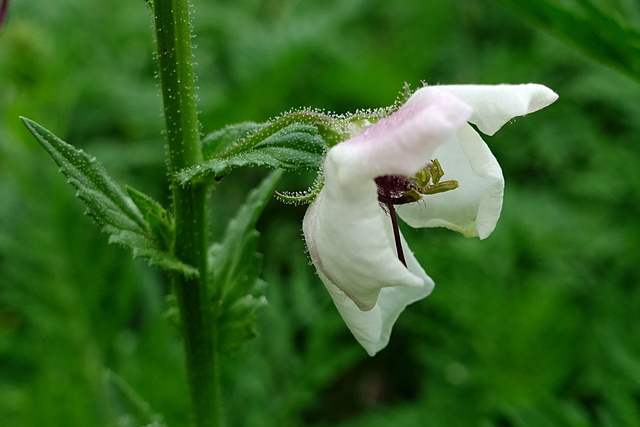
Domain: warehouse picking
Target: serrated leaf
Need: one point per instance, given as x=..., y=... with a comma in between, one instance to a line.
x=240, y=233
x=295, y=146
x=108, y=204
x=276, y=159
x=235, y=269
x=221, y=140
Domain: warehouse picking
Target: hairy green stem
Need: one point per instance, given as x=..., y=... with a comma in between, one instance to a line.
x=173, y=37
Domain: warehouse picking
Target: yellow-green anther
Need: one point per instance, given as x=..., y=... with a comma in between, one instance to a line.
x=428, y=181
x=441, y=187
x=436, y=171
x=423, y=177
x=412, y=195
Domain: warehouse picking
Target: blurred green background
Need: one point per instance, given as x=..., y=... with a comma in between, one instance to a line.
x=535, y=326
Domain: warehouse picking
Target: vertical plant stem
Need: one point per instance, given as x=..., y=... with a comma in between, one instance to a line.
x=173, y=37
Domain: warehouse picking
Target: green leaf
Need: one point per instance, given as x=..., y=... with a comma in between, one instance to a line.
x=239, y=319
x=145, y=233
x=294, y=146
x=589, y=28
x=156, y=217
x=129, y=409
x=235, y=269
x=222, y=140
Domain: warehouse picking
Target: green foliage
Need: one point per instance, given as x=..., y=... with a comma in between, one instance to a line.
x=606, y=32
x=288, y=143
x=217, y=143
x=110, y=207
x=156, y=217
x=533, y=326
x=235, y=270
x=303, y=348
x=129, y=408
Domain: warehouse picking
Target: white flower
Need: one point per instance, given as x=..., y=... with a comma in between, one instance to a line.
x=350, y=236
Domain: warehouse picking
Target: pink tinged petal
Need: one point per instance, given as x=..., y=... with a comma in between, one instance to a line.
x=495, y=105
x=348, y=234
x=371, y=328
x=474, y=207
x=346, y=226
x=402, y=143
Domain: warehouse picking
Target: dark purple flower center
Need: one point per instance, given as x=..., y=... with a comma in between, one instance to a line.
x=392, y=190
x=399, y=190
x=393, y=185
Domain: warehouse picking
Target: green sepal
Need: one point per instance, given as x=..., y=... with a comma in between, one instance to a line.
x=301, y=197
x=290, y=147
x=235, y=267
x=108, y=204
x=296, y=140
x=217, y=143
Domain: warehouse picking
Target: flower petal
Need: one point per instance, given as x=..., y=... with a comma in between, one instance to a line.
x=347, y=238
x=345, y=228
x=402, y=143
x=348, y=234
x=371, y=328
x=495, y=105
x=474, y=207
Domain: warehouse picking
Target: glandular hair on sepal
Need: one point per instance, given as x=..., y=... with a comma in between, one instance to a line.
x=302, y=197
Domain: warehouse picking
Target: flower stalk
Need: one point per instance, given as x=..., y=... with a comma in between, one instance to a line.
x=173, y=38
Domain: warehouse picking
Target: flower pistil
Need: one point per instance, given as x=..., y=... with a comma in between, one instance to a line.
x=400, y=190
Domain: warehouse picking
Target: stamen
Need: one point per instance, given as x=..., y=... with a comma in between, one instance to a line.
x=396, y=233
x=399, y=190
